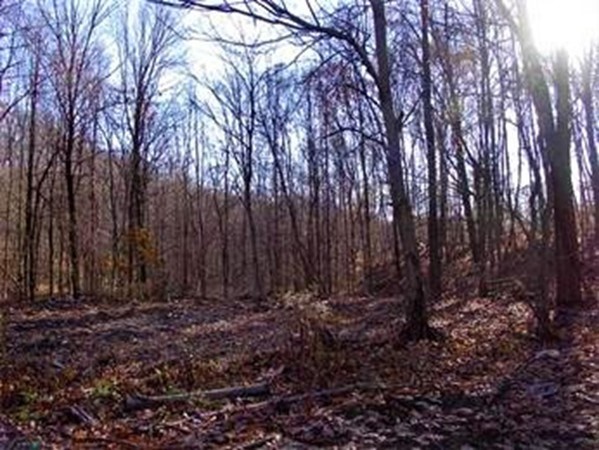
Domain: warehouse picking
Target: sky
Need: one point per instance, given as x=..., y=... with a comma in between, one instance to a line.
x=569, y=24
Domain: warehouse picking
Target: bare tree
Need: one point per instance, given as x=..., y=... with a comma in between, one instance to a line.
x=275, y=116
x=433, y=225
x=589, y=111
x=73, y=30
x=237, y=97
x=379, y=69
x=555, y=137
x=146, y=54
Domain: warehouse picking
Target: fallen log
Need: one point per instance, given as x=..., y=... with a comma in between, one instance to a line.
x=137, y=401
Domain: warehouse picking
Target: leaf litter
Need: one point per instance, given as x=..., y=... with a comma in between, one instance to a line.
x=338, y=377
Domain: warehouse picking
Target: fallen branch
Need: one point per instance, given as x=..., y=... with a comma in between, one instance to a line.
x=121, y=443
x=136, y=401
x=282, y=403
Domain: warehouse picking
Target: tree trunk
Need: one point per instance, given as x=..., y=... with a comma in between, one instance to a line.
x=69, y=173
x=29, y=253
x=417, y=326
x=459, y=145
x=431, y=156
x=566, y=239
x=367, y=241
x=589, y=110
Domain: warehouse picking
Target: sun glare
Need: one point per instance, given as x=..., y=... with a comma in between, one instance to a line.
x=571, y=25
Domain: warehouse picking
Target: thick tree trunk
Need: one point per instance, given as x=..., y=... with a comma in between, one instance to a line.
x=431, y=156
x=566, y=239
x=555, y=141
x=589, y=109
x=417, y=326
x=137, y=267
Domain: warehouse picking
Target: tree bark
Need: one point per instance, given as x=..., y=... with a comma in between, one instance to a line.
x=589, y=110
x=69, y=173
x=431, y=156
x=417, y=326
x=29, y=253
x=566, y=239
x=555, y=137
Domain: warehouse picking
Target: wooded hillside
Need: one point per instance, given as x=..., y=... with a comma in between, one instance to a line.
x=327, y=186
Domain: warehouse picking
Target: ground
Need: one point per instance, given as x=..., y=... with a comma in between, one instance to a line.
x=335, y=373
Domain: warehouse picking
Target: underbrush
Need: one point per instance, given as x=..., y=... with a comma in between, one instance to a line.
x=311, y=349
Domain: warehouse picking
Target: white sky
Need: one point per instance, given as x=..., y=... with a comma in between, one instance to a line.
x=568, y=24
x=205, y=54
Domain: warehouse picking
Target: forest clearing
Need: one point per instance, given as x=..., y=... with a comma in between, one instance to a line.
x=299, y=224
x=341, y=379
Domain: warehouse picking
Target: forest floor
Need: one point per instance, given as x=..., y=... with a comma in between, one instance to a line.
x=335, y=376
